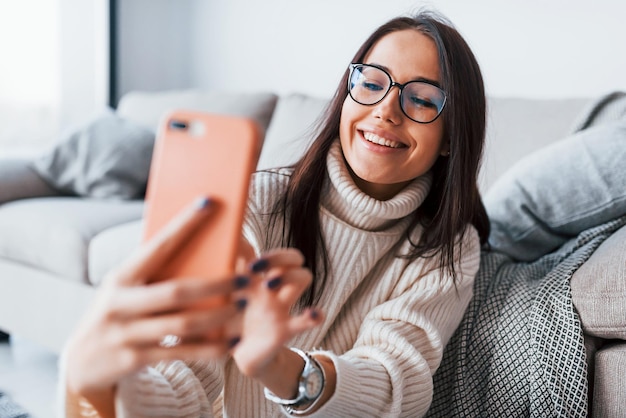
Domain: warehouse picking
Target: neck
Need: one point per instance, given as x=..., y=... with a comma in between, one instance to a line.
x=375, y=190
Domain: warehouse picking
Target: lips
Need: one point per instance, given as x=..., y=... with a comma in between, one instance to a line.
x=378, y=140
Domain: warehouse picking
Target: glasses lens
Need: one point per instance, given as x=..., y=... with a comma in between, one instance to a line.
x=368, y=85
x=422, y=102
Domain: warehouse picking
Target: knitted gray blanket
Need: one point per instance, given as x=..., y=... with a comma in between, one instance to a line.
x=519, y=350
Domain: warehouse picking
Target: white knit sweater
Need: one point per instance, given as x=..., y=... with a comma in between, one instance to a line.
x=386, y=323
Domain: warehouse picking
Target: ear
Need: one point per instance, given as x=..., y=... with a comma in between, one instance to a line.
x=445, y=150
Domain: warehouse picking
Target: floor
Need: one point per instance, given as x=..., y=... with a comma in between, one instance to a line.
x=28, y=374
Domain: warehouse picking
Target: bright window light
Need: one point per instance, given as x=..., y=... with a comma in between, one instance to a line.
x=29, y=73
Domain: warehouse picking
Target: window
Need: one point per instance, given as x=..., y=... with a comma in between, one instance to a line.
x=54, y=69
x=29, y=74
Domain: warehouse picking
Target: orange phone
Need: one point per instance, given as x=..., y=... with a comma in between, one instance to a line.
x=202, y=154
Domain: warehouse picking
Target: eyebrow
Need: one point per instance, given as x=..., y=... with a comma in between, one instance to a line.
x=423, y=79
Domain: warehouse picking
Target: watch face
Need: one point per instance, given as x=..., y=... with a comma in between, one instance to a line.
x=314, y=383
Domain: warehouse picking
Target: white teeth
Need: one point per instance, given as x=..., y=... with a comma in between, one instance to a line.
x=381, y=141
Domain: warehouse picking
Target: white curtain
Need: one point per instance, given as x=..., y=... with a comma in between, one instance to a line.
x=29, y=74
x=54, y=57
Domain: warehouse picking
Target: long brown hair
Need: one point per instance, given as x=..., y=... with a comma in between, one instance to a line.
x=453, y=201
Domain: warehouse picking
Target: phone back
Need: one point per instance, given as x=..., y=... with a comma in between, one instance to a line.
x=202, y=154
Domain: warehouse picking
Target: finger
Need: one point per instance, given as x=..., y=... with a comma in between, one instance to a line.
x=204, y=350
x=290, y=285
x=233, y=328
x=246, y=251
x=173, y=295
x=279, y=258
x=188, y=326
x=307, y=320
x=155, y=253
x=245, y=256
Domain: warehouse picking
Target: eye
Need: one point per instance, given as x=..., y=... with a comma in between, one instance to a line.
x=371, y=85
x=418, y=101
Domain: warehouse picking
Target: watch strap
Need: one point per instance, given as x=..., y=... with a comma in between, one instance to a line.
x=301, y=399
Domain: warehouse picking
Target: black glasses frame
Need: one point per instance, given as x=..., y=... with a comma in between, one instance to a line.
x=400, y=86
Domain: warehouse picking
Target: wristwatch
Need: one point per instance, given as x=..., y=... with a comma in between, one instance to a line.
x=310, y=386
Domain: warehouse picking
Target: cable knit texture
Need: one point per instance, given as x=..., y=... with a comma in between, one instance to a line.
x=387, y=320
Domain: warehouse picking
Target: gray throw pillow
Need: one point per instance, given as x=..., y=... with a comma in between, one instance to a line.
x=108, y=157
x=559, y=191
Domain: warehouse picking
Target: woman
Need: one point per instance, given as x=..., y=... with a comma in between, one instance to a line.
x=369, y=244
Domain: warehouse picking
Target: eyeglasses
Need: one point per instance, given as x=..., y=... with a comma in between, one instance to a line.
x=420, y=101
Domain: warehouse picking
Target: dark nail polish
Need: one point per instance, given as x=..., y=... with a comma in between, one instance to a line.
x=233, y=342
x=274, y=283
x=203, y=203
x=260, y=265
x=314, y=313
x=241, y=281
x=241, y=304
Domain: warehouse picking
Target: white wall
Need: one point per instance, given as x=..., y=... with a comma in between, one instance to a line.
x=531, y=48
x=545, y=48
x=154, y=44
x=83, y=59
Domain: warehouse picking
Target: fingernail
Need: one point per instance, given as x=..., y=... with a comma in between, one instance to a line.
x=274, y=283
x=259, y=265
x=314, y=313
x=203, y=203
x=241, y=304
x=241, y=281
x=233, y=342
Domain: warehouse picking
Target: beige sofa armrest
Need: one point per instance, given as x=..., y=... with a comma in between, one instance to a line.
x=19, y=181
x=599, y=289
x=609, y=384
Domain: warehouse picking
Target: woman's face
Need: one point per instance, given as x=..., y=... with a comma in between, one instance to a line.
x=385, y=149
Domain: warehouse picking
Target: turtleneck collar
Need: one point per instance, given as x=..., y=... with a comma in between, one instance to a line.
x=346, y=201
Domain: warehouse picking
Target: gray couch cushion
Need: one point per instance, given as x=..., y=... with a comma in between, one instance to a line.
x=559, y=191
x=112, y=246
x=517, y=127
x=147, y=108
x=20, y=181
x=53, y=233
x=108, y=157
x=599, y=289
x=509, y=137
x=291, y=129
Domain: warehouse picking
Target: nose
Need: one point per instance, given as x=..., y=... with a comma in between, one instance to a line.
x=389, y=109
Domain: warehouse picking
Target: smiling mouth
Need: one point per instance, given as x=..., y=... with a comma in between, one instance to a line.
x=375, y=139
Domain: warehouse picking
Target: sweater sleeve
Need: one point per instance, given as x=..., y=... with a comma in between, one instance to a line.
x=170, y=389
x=388, y=372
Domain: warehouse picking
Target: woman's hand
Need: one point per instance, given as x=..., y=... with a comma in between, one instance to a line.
x=268, y=322
x=123, y=330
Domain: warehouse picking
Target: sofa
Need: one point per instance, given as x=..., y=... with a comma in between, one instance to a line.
x=57, y=240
